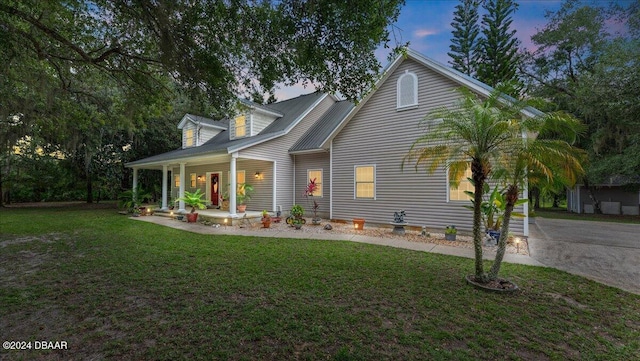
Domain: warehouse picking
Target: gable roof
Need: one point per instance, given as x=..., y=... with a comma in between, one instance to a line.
x=294, y=110
x=446, y=71
x=314, y=137
x=203, y=121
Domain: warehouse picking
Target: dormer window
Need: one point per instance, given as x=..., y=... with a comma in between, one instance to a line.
x=240, y=126
x=189, y=140
x=407, y=91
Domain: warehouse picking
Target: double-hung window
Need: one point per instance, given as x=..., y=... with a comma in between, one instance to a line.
x=365, y=182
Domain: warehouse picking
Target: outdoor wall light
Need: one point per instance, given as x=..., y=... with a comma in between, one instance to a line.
x=201, y=178
x=258, y=175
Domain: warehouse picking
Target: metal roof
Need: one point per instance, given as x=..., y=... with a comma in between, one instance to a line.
x=315, y=136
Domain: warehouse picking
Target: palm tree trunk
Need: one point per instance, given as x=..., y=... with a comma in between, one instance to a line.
x=512, y=198
x=477, y=231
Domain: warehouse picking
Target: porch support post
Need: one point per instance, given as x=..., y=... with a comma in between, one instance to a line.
x=135, y=179
x=165, y=174
x=181, y=192
x=233, y=185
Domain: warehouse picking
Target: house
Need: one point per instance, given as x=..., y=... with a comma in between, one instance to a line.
x=353, y=151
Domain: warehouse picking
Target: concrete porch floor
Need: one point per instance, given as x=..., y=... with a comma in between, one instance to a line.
x=217, y=216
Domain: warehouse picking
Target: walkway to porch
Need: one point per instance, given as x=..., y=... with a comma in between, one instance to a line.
x=218, y=216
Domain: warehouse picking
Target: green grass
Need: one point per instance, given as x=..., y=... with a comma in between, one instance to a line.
x=116, y=288
x=561, y=213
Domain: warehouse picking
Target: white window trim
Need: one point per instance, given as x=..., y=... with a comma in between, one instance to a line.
x=321, y=179
x=415, y=92
x=247, y=125
x=375, y=182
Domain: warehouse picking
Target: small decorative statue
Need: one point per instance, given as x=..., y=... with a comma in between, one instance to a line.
x=398, y=217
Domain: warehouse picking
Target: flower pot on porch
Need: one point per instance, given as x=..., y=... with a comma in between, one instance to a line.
x=241, y=208
x=192, y=217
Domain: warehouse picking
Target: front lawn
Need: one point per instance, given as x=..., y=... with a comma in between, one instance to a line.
x=115, y=288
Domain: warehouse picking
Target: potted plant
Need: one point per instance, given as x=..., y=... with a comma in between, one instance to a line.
x=450, y=233
x=266, y=219
x=242, y=195
x=295, y=216
x=315, y=220
x=193, y=200
x=297, y=222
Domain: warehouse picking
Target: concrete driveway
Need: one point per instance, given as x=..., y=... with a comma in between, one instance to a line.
x=603, y=251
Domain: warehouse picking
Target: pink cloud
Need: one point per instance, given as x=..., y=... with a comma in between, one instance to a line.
x=421, y=33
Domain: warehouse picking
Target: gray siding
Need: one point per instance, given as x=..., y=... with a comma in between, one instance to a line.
x=303, y=164
x=260, y=121
x=207, y=133
x=276, y=150
x=380, y=135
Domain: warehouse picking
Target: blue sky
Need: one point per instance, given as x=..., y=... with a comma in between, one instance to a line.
x=426, y=25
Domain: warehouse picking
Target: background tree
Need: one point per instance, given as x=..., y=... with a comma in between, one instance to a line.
x=464, y=43
x=593, y=74
x=499, y=45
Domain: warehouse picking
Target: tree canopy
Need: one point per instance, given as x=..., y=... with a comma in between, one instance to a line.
x=85, y=78
x=464, y=43
x=218, y=49
x=587, y=63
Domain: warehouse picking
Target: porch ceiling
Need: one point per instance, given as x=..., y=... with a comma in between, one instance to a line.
x=190, y=161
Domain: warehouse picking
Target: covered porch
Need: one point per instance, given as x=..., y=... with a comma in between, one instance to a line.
x=218, y=177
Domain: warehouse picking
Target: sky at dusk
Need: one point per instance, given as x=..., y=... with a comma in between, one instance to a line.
x=426, y=25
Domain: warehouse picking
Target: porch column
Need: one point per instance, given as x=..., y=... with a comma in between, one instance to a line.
x=181, y=192
x=525, y=210
x=135, y=180
x=164, y=187
x=233, y=185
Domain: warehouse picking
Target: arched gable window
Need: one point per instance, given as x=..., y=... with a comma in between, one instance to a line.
x=407, y=90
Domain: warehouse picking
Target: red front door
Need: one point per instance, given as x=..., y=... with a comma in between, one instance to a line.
x=215, y=189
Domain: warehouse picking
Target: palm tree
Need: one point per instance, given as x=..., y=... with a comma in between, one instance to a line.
x=476, y=133
x=498, y=138
x=548, y=154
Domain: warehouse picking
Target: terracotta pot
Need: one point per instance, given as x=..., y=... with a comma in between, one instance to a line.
x=266, y=224
x=192, y=217
x=358, y=223
x=241, y=208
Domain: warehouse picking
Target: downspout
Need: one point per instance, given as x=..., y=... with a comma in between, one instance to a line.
x=331, y=179
x=275, y=188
